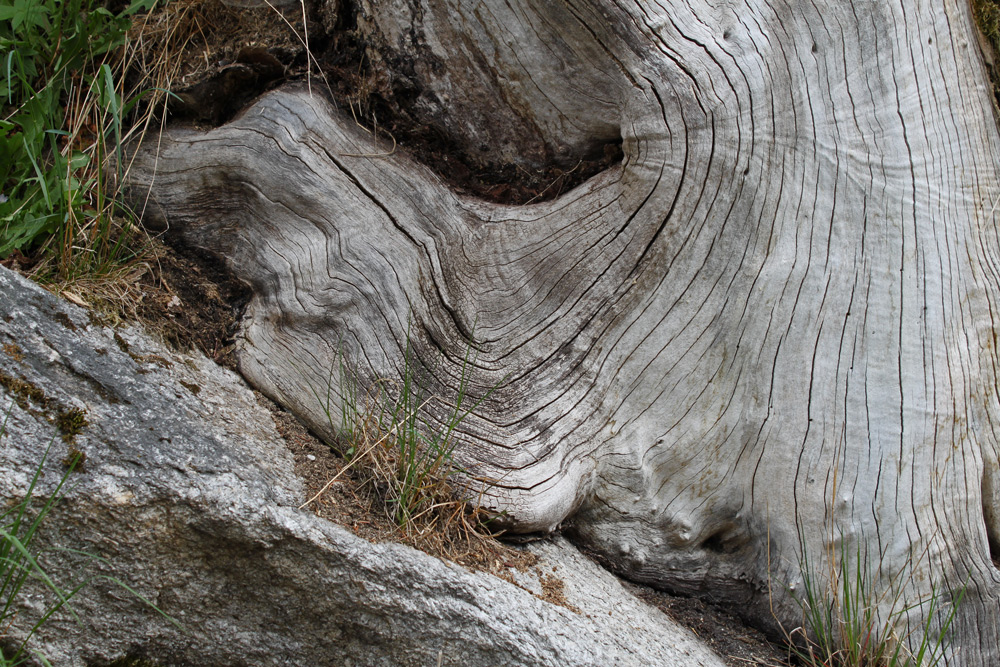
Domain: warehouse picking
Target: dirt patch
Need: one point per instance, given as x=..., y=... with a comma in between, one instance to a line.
x=737, y=644
x=192, y=302
x=554, y=591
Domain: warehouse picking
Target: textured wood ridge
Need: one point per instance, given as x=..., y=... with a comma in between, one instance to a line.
x=772, y=325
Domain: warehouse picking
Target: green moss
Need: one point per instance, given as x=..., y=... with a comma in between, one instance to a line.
x=23, y=391
x=190, y=386
x=70, y=422
x=75, y=459
x=987, y=13
x=13, y=351
x=31, y=399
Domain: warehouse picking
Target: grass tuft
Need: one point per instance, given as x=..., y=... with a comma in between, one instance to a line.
x=403, y=452
x=845, y=622
x=79, y=83
x=64, y=109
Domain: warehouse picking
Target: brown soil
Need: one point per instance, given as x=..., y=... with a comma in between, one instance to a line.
x=193, y=303
x=737, y=644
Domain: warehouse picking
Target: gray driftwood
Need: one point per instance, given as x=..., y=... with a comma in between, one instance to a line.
x=766, y=337
x=189, y=495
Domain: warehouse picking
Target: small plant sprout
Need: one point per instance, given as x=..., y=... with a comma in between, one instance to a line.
x=19, y=561
x=388, y=430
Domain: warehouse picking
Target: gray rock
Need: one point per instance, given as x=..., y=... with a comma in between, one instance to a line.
x=188, y=494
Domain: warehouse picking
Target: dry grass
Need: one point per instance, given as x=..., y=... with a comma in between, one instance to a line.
x=400, y=456
x=348, y=493
x=181, y=42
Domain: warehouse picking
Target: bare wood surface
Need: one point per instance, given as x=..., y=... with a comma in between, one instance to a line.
x=767, y=333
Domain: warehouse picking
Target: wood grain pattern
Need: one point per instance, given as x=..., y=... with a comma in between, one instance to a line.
x=769, y=331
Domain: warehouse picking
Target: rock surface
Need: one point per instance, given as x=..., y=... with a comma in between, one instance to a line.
x=188, y=494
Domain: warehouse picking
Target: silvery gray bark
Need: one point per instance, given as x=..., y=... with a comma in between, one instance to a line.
x=766, y=337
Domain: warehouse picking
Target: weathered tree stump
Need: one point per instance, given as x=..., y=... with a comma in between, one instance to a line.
x=765, y=337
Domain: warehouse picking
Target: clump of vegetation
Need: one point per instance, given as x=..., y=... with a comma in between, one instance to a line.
x=30, y=398
x=987, y=13
x=70, y=422
x=841, y=621
x=403, y=452
x=74, y=459
x=23, y=391
x=64, y=121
